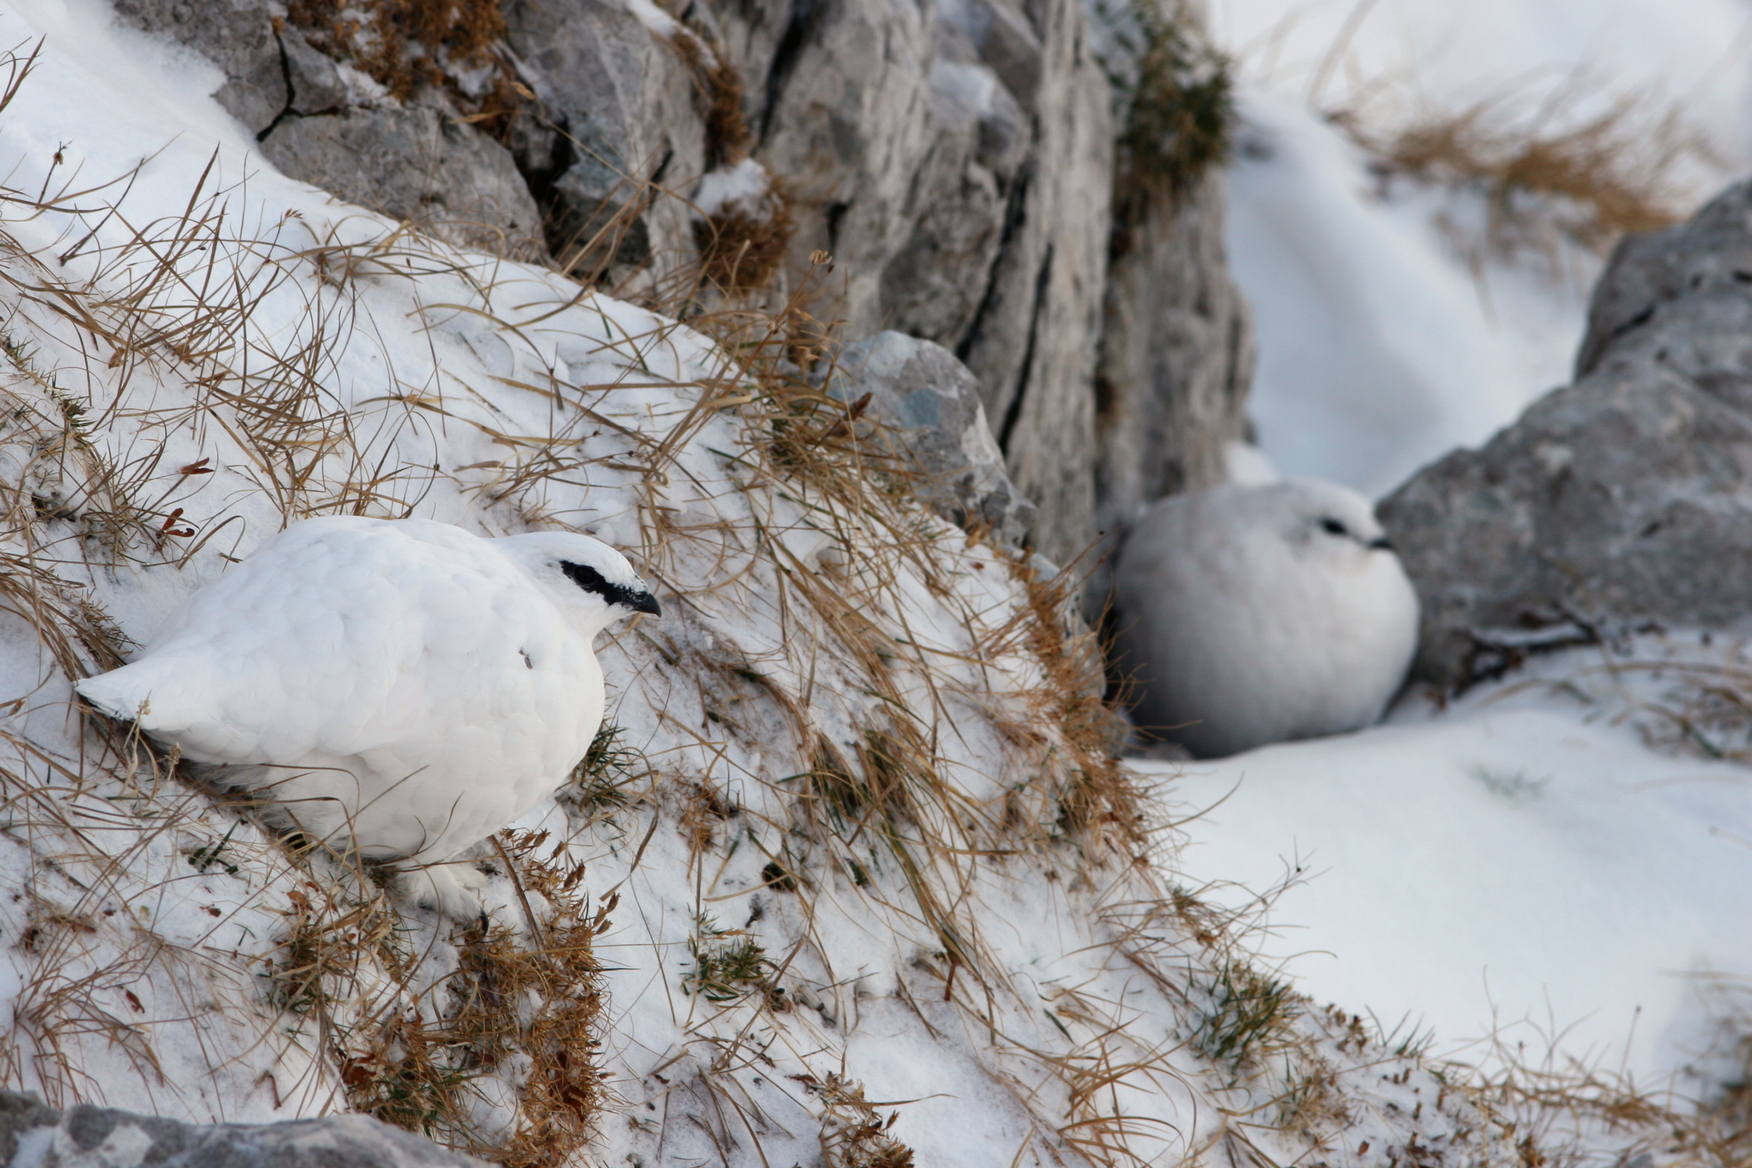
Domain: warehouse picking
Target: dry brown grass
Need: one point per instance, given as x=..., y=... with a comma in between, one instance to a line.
x=406, y=44
x=740, y=251
x=853, y=1133
x=1591, y=177
x=719, y=91
x=410, y=1052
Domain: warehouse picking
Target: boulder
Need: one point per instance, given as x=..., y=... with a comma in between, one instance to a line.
x=96, y=1137
x=236, y=35
x=413, y=163
x=618, y=117
x=1626, y=496
x=928, y=405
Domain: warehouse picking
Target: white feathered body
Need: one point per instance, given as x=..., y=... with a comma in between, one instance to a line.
x=1241, y=622
x=415, y=683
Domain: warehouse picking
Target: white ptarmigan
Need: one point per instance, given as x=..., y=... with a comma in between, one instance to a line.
x=1252, y=614
x=400, y=685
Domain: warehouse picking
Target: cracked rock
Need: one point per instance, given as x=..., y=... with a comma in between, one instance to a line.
x=315, y=82
x=1627, y=495
x=414, y=164
x=34, y=1136
x=929, y=405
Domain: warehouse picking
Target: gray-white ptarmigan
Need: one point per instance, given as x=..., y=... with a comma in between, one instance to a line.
x=402, y=686
x=1252, y=614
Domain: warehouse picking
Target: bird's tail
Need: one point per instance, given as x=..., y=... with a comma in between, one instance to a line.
x=112, y=694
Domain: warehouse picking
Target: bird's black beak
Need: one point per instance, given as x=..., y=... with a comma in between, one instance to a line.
x=1381, y=544
x=645, y=602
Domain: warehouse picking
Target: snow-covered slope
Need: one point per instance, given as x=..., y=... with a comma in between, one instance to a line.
x=1379, y=348
x=850, y=878
x=1389, y=329
x=1539, y=869
x=851, y=875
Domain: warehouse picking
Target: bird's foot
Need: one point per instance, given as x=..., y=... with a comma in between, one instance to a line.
x=456, y=890
x=462, y=892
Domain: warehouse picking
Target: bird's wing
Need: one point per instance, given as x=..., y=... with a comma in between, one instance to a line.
x=333, y=639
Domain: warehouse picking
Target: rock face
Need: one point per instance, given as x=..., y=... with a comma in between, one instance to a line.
x=956, y=159
x=616, y=117
x=415, y=164
x=1176, y=356
x=929, y=405
x=1627, y=494
x=959, y=170
x=95, y=1137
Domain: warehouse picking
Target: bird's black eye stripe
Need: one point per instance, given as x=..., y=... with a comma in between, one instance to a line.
x=590, y=580
x=1334, y=527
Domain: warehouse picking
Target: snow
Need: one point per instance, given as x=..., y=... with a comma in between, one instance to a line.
x=834, y=654
x=1002, y=1007
x=739, y=189
x=1388, y=332
x=659, y=22
x=1378, y=350
x=1521, y=870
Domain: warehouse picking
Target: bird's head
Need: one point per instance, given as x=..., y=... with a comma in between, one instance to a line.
x=586, y=575
x=1329, y=522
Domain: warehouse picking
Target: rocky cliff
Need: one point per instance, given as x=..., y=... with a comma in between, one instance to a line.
x=973, y=166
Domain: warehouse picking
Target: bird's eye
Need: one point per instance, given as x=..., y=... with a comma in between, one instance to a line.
x=1333, y=527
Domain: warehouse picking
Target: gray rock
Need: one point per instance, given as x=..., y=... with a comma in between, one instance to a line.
x=929, y=402
x=1176, y=358
x=413, y=164
x=848, y=126
x=316, y=85
x=1033, y=342
x=931, y=285
x=18, y=1115
x=95, y=1137
x=752, y=31
x=1004, y=40
x=236, y=35
x=623, y=103
x=1706, y=260
x=596, y=204
x=1624, y=497
x=908, y=148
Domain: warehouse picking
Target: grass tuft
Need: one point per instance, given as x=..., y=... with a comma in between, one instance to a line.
x=1245, y=1016
x=853, y=1133
x=727, y=964
x=1593, y=179
x=598, y=783
x=412, y=1056
x=1174, y=101
x=740, y=250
